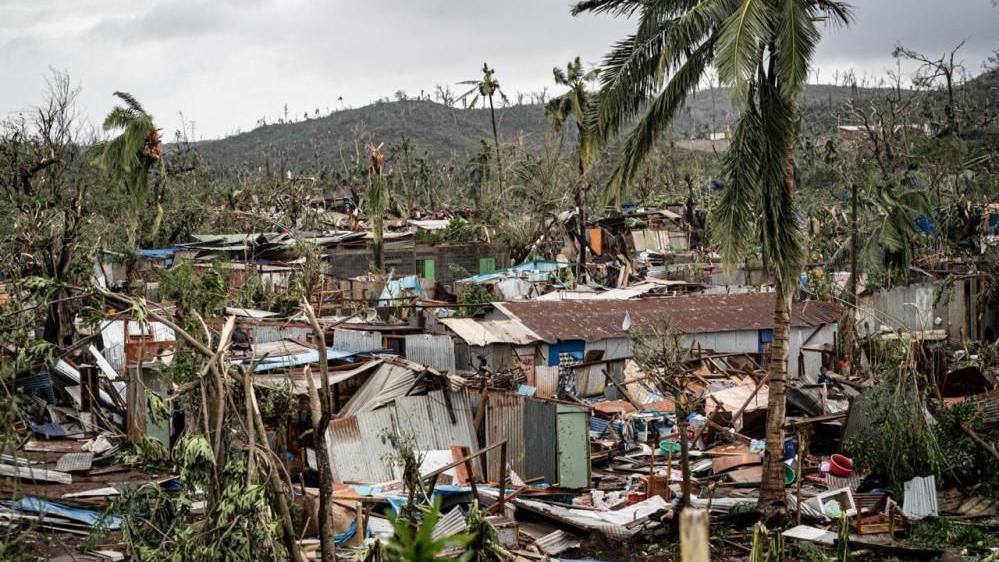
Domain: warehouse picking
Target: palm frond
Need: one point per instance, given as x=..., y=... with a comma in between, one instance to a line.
x=616, y=7
x=130, y=101
x=797, y=36
x=734, y=220
x=635, y=68
x=740, y=45
x=659, y=116
x=780, y=239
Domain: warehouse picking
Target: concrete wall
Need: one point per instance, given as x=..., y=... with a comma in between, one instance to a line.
x=452, y=261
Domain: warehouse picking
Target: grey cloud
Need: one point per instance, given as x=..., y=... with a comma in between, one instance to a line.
x=225, y=63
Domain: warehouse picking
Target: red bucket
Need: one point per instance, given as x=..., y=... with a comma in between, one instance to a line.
x=841, y=466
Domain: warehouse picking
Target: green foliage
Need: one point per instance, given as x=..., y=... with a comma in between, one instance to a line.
x=471, y=294
x=162, y=526
x=278, y=401
x=905, y=444
x=193, y=291
x=150, y=453
x=843, y=553
x=944, y=533
x=966, y=462
x=414, y=542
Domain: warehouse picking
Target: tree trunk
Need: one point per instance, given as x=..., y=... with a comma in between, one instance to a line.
x=581, y=202
x=379, y=243
x=773, y=503
x=499, y=163
x=326, y=539
x=772, y=500
x=681, y=426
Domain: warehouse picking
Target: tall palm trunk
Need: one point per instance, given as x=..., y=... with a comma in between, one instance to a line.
x=581, y=202
x=772, y=500
x=499, y=163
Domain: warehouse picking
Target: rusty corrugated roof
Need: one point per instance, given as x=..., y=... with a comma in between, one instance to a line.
x=592, y=320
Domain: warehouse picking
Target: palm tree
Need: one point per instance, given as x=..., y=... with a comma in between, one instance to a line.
x=376, y=200
x=888, y=232
x=575, y=104
x=130, y=155
x=484, y=89
x=762, y=50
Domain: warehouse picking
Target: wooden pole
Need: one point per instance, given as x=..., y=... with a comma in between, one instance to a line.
x=694, y=536
x=502, y=484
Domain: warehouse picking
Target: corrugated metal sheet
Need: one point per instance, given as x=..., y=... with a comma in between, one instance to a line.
x=360, y=451
x=273, y=333
x=920, y=498
x=505, y=421
x=590, y=379
x=557, y=542
x=393, y=379
x=113, y=336
x=546, y=379
x=451, y=524
x=591, y=320
x=485, y=332
x=436, y=352
x=541, y=440
x=428, y=420
x=356, y=340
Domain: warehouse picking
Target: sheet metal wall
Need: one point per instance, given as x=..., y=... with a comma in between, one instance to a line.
x=547, y=381
x=356, y=340
x=505, y=420
x=436, y=352
x=271, y=333
x=360, y=452
x=912, y=308
x=541, y=440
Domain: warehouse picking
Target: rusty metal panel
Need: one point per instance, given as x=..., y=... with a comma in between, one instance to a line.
x=358, y=449
x=592, y=320
x=546, y=379
x=541, y=440
x=356, y=340
x=436, y=352
x=505, y=421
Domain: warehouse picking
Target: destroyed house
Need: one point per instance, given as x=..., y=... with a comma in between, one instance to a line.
x=593, y=337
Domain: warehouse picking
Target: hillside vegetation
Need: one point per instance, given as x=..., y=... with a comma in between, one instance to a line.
x=446, y=132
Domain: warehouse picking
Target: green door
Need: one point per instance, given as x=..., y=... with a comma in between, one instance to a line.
x=573, y=446
x=487, y=265
x=429, y=270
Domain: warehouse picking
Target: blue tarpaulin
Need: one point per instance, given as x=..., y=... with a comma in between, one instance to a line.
x=32, y=504
x=395, y=288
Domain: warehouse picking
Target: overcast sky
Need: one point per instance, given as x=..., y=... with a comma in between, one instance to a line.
x=226, y=63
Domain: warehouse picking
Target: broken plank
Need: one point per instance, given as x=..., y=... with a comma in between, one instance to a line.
x=30, y=473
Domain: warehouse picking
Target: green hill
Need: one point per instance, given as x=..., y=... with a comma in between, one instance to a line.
x=446, y=132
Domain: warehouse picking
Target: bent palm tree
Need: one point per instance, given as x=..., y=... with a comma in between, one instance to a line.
x=762, y=50
x=575, y=104
x=130, y=155
x=484, y=89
